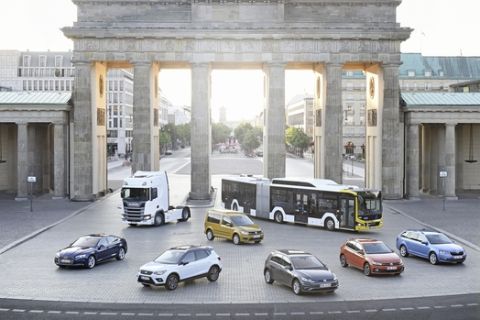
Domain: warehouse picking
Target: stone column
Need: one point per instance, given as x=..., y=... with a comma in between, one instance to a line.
x=392, y=135
x=58, y=161
x=274, y=155
x=145, y=117
x=333, y=123
x=201, y=132
x=22, y=161
x=450, y=160
x=82, y=162
x=413, y=169
x=319, y=122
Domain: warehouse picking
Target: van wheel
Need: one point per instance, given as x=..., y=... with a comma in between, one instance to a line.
x=210, y=235
x=236, y=239
x=329, y=224
x=278, y=216
x=159, y=219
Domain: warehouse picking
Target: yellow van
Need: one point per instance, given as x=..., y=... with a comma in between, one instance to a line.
x=231, y=225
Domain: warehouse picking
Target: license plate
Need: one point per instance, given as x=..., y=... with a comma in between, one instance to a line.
x=256, y=236
x=325, y=285
x=391, y=268
x=66, y=261
x=457, y=257
x=144, y=278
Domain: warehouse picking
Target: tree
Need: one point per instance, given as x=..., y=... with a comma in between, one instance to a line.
x=183, y=133
x=165, y=140
x=220, y=133
x=297, y=139
x=241, y=130
x=250, y=141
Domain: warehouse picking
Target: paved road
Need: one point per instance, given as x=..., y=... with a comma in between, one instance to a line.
x=447, y=308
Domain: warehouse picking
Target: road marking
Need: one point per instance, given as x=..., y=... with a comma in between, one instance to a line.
x=90, y=313
x=279, y=313
x=127, y=313
x=72, y=312
x=18, y=310
x=297, y=313
x=472, y=304
x=54, y=312
x=407, y=309
x=36, y=311
x=316, y=312
x=203, y=314
x=223, y=314
x=242, y=314
x=353, y=311
x=439, y=307
x=334, y=312
x=165, y=314
x=456, y=305
x=260, y=314
x=423, y=308
x=389, y=309
x=145, y=314
x=4, y=310
x=371, y=310
x=184, y=314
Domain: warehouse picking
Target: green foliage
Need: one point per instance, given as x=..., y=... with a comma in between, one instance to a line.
x=250, y=141
x=184, y=133
x=248, y=136
x=297, y=139
x=220, y=133
x=241, y=130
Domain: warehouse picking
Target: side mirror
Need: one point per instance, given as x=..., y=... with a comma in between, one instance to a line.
x=183, y=263
x=362, y=252
x=289, y=267
x=100, y=248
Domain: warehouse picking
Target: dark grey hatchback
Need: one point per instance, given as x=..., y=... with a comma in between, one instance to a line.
x=301, y=271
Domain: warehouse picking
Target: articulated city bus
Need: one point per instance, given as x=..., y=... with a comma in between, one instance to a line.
x=316, y=202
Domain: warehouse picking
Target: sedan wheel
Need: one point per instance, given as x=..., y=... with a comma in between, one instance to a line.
x=213, y=273
x=366, y=270
x=121, y=254
x=210, y=235
x=91, y=262
x=268, y=277
x=433, y=258
x=403, y=251
x=343, y=261
x=297, y=289
x=172, y=282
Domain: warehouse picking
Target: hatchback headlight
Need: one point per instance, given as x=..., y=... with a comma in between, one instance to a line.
x=305, y=279
x=443, y=252
x=80, y=256
x=376, y=263
x=159, y=273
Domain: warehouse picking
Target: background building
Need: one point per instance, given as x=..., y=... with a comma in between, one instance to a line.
x=299, y=113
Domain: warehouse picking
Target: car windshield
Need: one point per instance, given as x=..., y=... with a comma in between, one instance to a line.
x=242, y=221
x=170, y=257
x=376, y=248
x=307, y=262
x=86, y=242
x=438, y=238
x=137, y=194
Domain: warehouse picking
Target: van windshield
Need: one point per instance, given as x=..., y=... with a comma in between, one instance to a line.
x=137, y=194
x=241, y=221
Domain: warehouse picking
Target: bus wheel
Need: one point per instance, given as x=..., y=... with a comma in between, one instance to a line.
x=278, y=216
x=329, y=224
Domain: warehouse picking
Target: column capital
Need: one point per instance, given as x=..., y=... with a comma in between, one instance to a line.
x=81, y=62
x=391, y=65
x=200, y=64
x=333, y=65
x=275, y=64
x=450, y=124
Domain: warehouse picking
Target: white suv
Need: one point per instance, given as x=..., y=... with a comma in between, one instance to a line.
x=179, y=264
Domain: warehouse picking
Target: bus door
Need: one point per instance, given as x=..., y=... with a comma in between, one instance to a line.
x=347, y=213
x=301, y=207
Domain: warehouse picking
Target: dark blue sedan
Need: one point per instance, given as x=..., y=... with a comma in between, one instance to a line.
x=87, y=251
x=431, y=245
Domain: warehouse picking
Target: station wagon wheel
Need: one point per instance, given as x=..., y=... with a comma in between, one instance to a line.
x=278, y=217
x=297, y=289
x=120, y=254
x=403, y=251
x=343, y=261
x=236, y=239
x=213, y=273
x=91, y=261
x=366, y=270
x=329, y=224
x=210, y=235
x=432, y=257
x=268, y=276
x=172, y=282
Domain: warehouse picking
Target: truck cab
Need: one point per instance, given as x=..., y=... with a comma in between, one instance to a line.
x=145, y=198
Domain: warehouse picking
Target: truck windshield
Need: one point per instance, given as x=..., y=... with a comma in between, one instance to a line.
x=137, y=194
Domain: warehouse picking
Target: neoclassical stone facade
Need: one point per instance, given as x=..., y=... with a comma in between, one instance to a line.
x=326, y=36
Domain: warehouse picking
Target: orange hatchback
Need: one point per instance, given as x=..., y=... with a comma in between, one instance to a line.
x=370, y=255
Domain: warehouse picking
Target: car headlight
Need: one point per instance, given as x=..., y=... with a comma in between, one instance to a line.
x=376, y=263
x=245, y=233
x=80, y=256
x=147, y=217
x=334, y=277
x=158, y=273
x=443, y=252
x=57, y=255
x=305, y=279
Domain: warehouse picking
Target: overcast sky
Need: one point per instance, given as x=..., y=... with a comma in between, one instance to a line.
x=441, y=27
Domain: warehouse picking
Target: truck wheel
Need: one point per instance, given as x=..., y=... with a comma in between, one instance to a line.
x=185, y=214
x=159, y=219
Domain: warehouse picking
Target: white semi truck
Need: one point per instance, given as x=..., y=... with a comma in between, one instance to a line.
x=146, y=200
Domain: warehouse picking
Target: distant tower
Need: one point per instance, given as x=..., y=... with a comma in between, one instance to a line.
x=223, y=115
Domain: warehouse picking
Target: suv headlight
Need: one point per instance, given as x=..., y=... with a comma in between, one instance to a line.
x=80, y=256
x=159, y=273
x=443, y=252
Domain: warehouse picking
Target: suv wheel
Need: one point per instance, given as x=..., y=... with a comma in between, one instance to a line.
x=210, y=235
x=236, y=239
x=172, y=282
x=403, y=251
x=213, y=273
x=297, y=289
x=268, y=276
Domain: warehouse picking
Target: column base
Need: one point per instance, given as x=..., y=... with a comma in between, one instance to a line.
x=451, y=198
x=83, y=198
x=21, y=198
x=199, y=196
x=57, y=197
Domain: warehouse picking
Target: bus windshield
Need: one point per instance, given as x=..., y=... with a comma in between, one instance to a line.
x=370, y=203
x=136, y=194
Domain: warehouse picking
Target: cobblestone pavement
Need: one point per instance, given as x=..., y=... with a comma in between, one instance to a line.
x=28, y=271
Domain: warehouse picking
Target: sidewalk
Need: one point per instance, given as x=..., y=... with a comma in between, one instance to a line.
x=461, y=217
